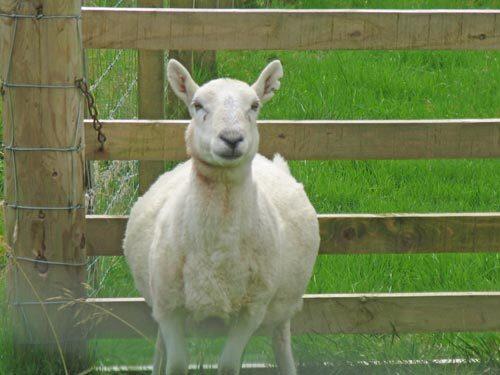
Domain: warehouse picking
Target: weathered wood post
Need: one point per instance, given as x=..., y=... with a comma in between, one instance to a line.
x=41, y=58
x=151, y=97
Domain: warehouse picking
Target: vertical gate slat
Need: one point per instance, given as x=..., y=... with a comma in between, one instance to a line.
x=151, y=99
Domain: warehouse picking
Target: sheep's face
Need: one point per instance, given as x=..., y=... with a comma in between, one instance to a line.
x=223, y=128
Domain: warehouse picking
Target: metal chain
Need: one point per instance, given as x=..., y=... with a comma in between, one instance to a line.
x=93, y=112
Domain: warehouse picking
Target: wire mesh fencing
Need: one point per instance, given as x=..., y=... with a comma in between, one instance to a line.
x=112, y=186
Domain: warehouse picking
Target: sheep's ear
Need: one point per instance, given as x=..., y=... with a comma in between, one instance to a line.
x=181, y=82
x=269, y=81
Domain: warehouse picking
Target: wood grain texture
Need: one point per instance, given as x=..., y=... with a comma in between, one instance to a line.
x=358, y=233
x=46, y=51
x=151, y=98
x=410, y=233
x=280, y=29
x=372, y=313
x=314, y=139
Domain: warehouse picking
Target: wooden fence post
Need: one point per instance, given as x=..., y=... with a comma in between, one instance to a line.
x=41, y=57
x=151, y=97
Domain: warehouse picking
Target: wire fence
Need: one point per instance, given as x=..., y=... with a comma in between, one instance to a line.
x=113, y=78
x=112, y=186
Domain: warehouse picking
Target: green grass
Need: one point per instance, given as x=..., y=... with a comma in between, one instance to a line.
x=349, y=85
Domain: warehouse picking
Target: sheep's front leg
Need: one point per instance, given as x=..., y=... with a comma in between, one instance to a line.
x=174, y=337
x=282, y=346
x=239, y=334
x=159, y=361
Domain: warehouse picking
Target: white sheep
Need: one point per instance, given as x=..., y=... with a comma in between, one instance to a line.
x=228, y=234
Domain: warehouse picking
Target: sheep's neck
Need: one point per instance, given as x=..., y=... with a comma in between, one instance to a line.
x=209, y=175
x=223, y=193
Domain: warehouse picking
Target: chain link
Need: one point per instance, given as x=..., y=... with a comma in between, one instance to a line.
x=93, y=112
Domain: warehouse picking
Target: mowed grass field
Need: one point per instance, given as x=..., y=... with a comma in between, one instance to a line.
x=346, y=85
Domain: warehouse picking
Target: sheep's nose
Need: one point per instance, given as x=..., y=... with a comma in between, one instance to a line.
x=231, y=138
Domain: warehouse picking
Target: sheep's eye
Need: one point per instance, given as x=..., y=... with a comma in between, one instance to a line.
x=197, y=106
x=255, y=106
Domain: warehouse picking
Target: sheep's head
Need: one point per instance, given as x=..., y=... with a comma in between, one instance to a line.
x=223, y=128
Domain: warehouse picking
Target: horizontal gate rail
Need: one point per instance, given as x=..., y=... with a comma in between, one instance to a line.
x=390, y=313
x=280, y=29
x=312, y=139
x=357, y=233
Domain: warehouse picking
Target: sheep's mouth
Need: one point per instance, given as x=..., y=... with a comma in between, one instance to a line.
x=233, y=155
